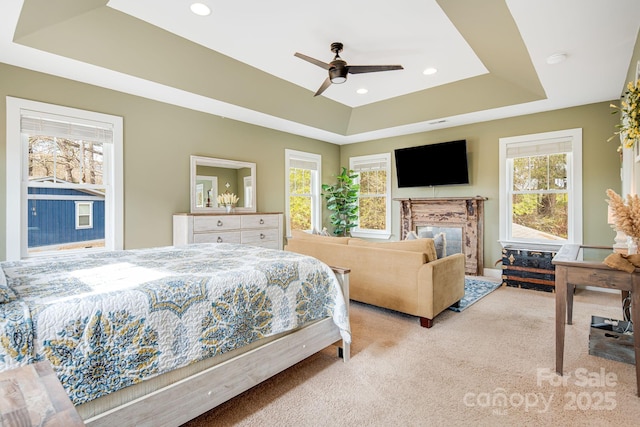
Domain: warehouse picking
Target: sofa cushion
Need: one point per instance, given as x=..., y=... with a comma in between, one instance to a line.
x=425, y=246
x=439, y=240
x=303, y=235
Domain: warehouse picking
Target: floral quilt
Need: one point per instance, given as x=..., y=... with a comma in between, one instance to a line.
x=112, y=319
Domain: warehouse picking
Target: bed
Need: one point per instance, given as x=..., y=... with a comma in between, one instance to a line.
x=158, y=336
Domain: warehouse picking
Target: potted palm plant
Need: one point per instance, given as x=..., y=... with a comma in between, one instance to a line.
x=342, y=200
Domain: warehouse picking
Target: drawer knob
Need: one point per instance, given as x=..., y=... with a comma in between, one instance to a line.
x=219, y=223
x=262, y=236
x=261, y=221
x=219, y=239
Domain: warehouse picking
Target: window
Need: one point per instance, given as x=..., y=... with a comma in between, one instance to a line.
x=541, y=188
x=64, y=180
x=374, y=202
x=84, y=215
x=303, y=202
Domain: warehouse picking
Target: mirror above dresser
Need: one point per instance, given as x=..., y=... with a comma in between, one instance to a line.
x=211, y=177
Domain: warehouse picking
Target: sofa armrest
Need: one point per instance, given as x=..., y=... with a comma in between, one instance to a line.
x=441, y=283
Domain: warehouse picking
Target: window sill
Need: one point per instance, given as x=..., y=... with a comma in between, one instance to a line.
x=532, y=245
x=382, y=235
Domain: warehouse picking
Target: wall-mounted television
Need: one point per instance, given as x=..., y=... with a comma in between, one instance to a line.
x=443, y=163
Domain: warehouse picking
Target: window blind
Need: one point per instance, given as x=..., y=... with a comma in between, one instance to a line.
x=539, y=148
x=303, y=164
x=65, y=127
x=378, y=164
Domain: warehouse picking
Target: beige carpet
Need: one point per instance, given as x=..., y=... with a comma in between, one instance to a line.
x=452, y=374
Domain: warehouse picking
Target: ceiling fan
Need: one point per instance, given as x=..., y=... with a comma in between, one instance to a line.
x=338, y=69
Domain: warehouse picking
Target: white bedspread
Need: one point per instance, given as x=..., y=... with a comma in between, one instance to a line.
x=108, y=320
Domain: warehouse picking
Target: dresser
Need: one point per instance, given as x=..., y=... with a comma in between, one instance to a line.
x=258, y=229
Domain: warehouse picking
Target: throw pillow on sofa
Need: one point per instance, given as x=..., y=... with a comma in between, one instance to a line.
x=439, y=240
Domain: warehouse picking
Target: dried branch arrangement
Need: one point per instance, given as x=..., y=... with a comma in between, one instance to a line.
x=626, y=214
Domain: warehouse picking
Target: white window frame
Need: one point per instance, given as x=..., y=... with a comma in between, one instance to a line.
x=316, y=193
x=383, y=158
x=78, y=215
x=248, y=190
x=16, y=162
x=574, y=185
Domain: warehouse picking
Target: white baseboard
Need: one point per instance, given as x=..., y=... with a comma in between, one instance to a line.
x=492, y=272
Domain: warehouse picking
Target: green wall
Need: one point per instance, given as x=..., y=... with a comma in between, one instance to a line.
x=600, y=169
x=158, y=140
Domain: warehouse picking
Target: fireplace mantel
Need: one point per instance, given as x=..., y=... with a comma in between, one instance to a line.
x=464, y=212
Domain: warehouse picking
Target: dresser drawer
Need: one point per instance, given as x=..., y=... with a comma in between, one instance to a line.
x=215, y=223
x=219, y=237
x=260, y=221
x=259, y=237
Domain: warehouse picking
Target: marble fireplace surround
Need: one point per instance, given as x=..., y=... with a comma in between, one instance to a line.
x=466, y=213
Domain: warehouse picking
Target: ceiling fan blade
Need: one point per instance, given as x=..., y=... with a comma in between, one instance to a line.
x=313, y=60
x=324, y=86
x=359, y=69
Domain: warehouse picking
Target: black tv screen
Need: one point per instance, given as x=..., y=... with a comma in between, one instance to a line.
x=444, y=163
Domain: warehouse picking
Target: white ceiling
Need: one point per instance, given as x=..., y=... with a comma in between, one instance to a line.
x=597, y=36
x=413, y=33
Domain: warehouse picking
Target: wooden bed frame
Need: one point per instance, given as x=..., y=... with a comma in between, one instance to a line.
x=184, y=400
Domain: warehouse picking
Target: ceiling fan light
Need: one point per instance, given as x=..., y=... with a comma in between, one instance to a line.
x=338, y=73
x=200, y=9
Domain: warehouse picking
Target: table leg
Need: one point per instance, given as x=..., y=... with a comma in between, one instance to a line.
x=561, y=312
x=635, y=319
x=571, y=289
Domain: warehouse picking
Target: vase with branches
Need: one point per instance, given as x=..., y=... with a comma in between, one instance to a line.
x=342, y=200
x=626, y=215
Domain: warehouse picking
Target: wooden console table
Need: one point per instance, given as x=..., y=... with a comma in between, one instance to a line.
x=579, y=264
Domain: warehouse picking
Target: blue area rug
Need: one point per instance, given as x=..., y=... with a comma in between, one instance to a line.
x=474, y=289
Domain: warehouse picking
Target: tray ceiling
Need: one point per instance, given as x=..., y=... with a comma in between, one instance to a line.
x=238, y=62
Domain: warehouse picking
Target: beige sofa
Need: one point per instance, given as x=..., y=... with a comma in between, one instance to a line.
x=404, y=276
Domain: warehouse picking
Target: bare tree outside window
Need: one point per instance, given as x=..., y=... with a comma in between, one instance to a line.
x=70, y=161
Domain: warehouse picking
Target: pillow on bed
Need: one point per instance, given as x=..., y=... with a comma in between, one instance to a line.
x=6, y=294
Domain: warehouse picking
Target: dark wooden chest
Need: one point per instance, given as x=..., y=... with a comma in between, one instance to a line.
x=529, y=268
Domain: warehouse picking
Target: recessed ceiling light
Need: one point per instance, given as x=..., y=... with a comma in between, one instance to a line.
x=362, y=91
x=429, y=71
x=556, y=58
x=200, y=9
